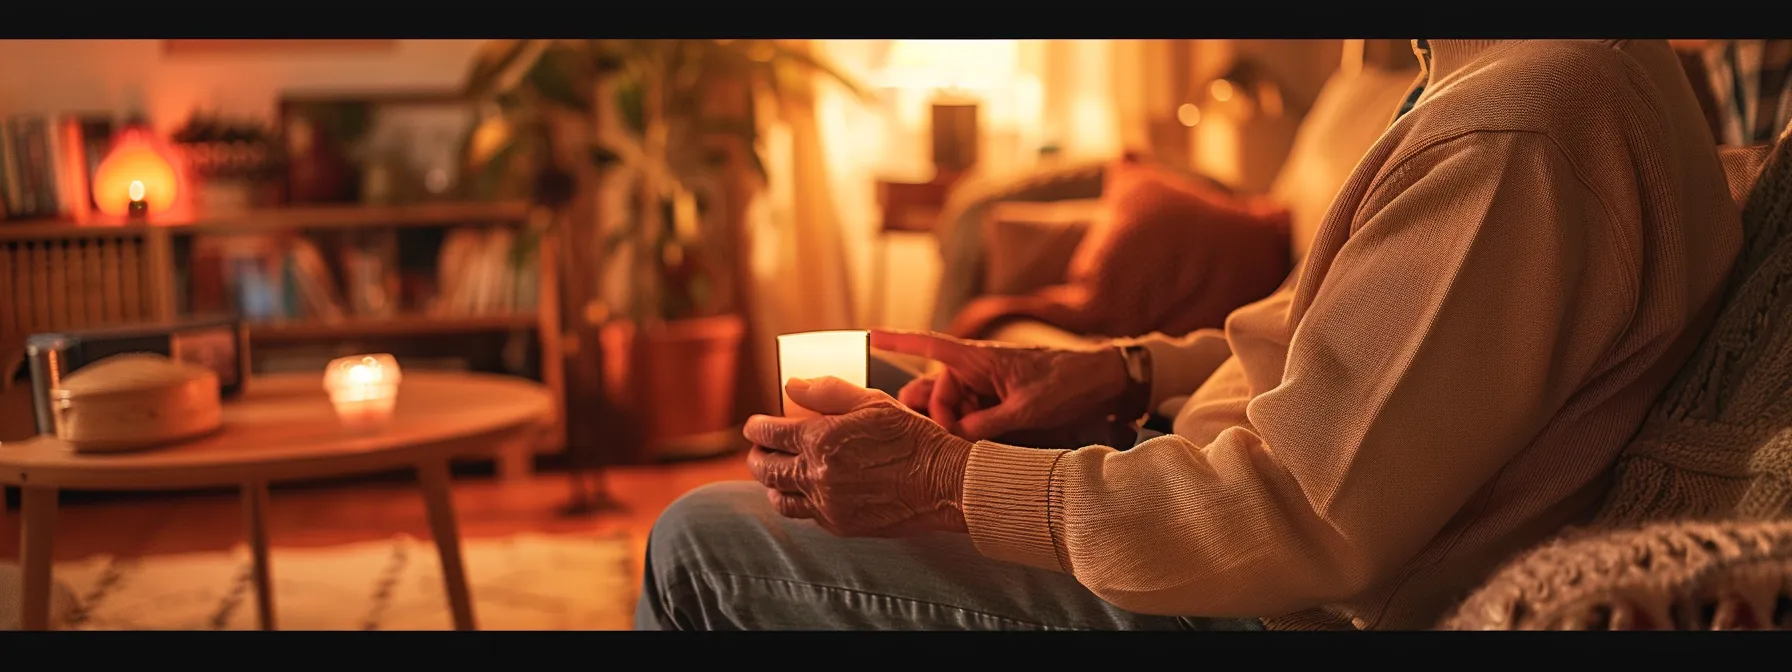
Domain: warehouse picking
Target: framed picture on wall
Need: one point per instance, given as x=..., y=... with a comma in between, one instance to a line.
x=378, y=147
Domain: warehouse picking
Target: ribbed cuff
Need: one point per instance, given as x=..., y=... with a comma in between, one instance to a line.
x=1008, y=503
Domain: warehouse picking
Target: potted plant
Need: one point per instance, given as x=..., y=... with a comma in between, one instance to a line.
x=672, y=122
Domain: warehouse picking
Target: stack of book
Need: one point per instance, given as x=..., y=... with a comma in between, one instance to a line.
x=480, y=271
x=46, y=164
x=485, y=271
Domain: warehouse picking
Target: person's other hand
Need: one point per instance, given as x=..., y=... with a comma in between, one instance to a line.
x=867, y=466
x=990, y=390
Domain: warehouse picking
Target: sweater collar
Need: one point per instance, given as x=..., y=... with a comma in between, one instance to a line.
x=1448, y=56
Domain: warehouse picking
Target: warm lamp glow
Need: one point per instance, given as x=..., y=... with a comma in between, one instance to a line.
x=135, y=170
x=950, y=64
x=363, y=388
x=1188, y=114
x=841, y=354
x=1220, y=89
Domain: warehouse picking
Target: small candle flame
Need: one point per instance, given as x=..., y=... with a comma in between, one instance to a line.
x=136, y=190
x=363, y=374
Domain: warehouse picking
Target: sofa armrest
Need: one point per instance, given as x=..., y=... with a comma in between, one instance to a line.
x=1682, y=575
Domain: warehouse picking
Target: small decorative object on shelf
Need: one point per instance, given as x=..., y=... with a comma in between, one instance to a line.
x=842, y=354
x=363, y=388
x=235, y=165
x=137, y=169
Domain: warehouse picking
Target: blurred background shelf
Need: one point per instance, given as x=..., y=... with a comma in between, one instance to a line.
x=403, y=325
x=275, y=220
x=487, y=298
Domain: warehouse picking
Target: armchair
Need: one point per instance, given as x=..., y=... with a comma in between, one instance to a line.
x=1696, y=532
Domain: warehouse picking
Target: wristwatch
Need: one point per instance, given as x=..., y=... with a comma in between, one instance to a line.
x=1135, y=403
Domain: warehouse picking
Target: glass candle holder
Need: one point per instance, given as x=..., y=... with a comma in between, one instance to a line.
x=842, y=354
x=363, y=388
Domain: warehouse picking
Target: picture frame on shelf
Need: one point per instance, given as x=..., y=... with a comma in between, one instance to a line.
x=374, y=147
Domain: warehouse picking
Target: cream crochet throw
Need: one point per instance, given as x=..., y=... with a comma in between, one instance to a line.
x=1696, y=532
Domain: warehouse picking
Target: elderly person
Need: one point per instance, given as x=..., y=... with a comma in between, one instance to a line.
x=1499, y=291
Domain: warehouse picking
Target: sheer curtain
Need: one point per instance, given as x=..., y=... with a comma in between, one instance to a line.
x=800, y=269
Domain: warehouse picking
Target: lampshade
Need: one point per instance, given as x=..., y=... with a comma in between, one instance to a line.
x=135, y=157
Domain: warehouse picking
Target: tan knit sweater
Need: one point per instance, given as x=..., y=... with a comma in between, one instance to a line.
x=1498, y=293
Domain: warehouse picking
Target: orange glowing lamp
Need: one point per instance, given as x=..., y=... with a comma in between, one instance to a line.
x=136, y=178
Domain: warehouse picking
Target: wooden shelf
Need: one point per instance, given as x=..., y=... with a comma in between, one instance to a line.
x=404, y=325
x=271, y=220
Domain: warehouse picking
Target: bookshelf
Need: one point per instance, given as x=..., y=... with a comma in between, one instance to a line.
x=67, y=275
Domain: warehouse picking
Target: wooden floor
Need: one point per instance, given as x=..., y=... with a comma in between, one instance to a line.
x=324, y=515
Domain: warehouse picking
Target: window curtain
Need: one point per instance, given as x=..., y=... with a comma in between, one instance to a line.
x=799, y=249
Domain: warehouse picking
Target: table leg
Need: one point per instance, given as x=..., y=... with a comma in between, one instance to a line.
x=37, y=535
x=438, y=498
x=255, y=525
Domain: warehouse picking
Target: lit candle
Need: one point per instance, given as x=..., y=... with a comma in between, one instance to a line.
x=138, y=207
x=363, y=388
x=814, y=354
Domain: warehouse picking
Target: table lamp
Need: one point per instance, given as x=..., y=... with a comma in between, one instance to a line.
x=363, y=388
x=842, y=354
x=136, y=178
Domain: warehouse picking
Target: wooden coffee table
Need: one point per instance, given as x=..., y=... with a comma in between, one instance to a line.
x=284, y=428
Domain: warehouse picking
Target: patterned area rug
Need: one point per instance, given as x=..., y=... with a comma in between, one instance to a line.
x=525, y=582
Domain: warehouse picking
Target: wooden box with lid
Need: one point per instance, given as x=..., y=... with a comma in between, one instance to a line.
x=135, y=400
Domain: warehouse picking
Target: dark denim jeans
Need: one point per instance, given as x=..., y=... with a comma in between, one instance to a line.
x=721, y=559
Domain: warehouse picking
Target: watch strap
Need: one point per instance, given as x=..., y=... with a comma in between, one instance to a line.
x=1135, y=403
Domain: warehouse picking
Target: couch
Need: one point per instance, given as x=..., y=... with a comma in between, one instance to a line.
x=1019, y=235
x=1696, y=531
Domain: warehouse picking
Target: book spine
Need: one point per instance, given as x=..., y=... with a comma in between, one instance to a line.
x=76, y=179
x=96, y=140
x=43, y=169
x=7, y=209
x=16, y=184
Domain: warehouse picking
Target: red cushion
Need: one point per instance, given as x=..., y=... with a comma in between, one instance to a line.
x=1181, y=253
x=1169, y=253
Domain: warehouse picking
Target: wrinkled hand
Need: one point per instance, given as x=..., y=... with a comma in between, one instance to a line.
x=992, y=390
x=866, y=466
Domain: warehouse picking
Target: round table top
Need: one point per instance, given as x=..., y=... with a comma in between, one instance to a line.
x=284, y=427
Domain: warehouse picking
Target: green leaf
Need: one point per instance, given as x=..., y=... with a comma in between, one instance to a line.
x=744, y=130
x=629, y=105
x=782, y=55
x=603, y=157
x=488, y=180
x=496, y=62
x=559, y=78
x=527, y=241
x=491, y=58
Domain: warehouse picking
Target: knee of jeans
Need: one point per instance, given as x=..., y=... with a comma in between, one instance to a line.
x=687, y=532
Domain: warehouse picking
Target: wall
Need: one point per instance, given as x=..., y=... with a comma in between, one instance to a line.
x=119, y=76
x=1248, y=153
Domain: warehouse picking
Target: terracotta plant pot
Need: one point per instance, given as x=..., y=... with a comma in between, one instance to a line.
x=675, y=383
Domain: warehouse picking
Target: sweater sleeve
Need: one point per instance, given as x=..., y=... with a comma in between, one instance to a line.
x=1474, y=294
